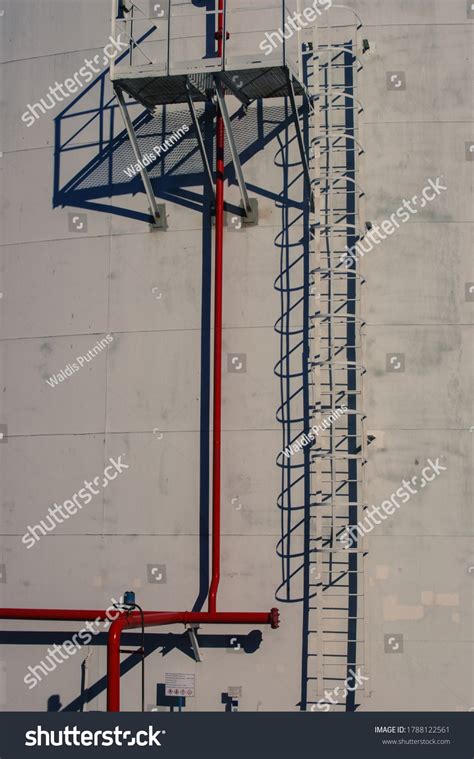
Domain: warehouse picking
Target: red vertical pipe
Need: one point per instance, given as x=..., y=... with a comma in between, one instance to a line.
x=122, y=620
x=134, y=620
x=113, y=664
x=217, y=379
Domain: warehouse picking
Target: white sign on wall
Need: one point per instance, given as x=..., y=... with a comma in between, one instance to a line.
x=234, y=691
x=180, y=684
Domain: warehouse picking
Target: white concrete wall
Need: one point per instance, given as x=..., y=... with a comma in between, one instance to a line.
x=63, y=290
x=420, y=586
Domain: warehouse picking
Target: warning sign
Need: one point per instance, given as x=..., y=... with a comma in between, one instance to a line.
x=179, y=684
x=234, y=691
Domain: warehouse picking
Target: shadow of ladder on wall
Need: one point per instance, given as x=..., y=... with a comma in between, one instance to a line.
x=333, y=629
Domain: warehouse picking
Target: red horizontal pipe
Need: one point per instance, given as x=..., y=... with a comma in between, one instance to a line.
x=62, y=615
x=134, y=619
x=152, y=617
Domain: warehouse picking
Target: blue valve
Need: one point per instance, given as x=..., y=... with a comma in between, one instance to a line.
x=129, y=598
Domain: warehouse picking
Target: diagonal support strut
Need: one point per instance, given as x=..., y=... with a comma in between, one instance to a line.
x=233, y=148
x=158, y=221
x=192, y=631
x=200, y=139
x=299, y=137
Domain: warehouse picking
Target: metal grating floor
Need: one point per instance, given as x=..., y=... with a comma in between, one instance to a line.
x=254, y=83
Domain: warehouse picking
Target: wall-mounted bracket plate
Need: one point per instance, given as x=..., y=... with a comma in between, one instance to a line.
x=160, y=223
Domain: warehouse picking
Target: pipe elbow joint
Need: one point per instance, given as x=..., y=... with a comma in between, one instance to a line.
x=274, y=618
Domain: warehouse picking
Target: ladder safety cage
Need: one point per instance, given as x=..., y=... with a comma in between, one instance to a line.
x=335, y=614
x=323, y=490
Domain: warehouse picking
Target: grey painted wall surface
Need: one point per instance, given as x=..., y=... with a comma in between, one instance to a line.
x=63, y=290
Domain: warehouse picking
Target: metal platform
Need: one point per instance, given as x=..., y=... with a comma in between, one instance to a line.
x=247, y=84
x=186, y=54
x=175, y=49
